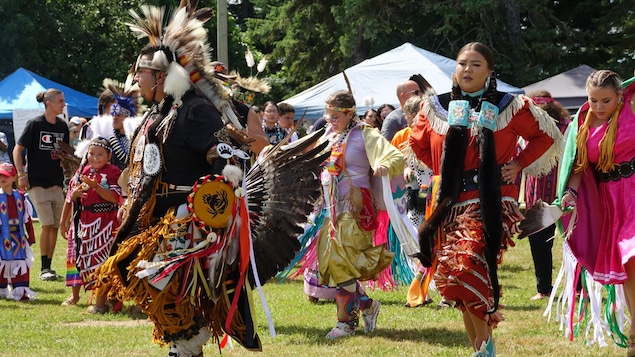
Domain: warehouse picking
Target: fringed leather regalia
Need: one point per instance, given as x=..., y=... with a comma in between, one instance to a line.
x=345, y=248
x=190, y=250
x=475, y=213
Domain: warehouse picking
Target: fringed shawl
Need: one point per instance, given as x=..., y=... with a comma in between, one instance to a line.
x=437, y=117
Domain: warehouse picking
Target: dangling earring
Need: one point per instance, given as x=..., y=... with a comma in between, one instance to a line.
x=487, y=80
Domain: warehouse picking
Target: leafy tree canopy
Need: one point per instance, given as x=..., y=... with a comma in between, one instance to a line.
x=80, y=42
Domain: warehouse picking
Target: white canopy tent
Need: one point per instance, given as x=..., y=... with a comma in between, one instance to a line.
x=378, y=78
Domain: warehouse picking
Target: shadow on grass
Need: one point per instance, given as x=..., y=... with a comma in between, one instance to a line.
x=40, y=300
x=437, y=336
x=523, y=308
x=511, y=268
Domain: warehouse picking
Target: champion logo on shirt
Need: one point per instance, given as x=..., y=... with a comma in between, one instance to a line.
x=48, y=140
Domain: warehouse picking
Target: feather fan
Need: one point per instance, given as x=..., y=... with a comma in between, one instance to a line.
x=540, y=216
x=283, y=188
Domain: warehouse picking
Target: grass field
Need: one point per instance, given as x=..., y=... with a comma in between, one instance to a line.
x=44, y=328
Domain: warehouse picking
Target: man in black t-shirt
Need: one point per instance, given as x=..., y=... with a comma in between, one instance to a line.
x=45, y=180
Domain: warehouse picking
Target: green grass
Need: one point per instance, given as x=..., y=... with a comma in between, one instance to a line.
x=44, y=328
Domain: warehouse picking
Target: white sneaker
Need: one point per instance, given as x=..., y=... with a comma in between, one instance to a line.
x=48, y=275
x=370, y=316
x=342, y=329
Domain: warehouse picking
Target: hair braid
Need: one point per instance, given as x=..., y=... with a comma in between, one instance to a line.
x=600, y=79
x=581, y=161
x=490, y=95
x=605, y=161
x=455, y=94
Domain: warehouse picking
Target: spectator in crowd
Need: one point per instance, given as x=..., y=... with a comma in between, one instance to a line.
x=258, y=110
x=371, y=118
x=4, y=148
x=45, y=180
x=544, y=188
x=286, y=112
x=382, y=112
x=75, y=126
x=271, y=127
x=395, y=121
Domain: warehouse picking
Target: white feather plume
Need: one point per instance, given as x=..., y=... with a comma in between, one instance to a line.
x=262, y=64
x=369, y=101
x=249, y=57
x=233, y=174
x=82, y=148
x=177, y=82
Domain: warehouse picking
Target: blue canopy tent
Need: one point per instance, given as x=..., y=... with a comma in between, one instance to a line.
x=18, y=91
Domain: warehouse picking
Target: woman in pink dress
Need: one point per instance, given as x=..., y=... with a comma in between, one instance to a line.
x=597, y=178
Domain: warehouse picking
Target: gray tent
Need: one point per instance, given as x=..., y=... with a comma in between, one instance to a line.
x=568, y=87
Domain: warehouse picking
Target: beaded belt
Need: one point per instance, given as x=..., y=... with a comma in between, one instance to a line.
x=100, y=207
x=622, y=170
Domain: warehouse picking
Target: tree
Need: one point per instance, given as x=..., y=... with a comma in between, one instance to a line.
x=531, y=39
x=79, y=43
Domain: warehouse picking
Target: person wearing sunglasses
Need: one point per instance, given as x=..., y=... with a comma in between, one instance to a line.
x=382, y=112
x=395, y=121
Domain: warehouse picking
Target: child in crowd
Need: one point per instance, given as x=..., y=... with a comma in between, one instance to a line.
x=69, y=221
x=16, y=229
x=97, y=195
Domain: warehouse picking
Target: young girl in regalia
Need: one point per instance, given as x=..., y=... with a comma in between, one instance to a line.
x=16, y=230
x=98, y=195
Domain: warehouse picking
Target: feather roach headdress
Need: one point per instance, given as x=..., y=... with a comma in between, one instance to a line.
x=182, y=51
x=129, y=101
x=242, y=89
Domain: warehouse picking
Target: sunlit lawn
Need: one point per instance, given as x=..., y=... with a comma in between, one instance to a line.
x=44, y=328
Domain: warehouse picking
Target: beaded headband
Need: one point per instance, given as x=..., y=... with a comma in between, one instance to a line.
x=117, y=109
x=100, y=142
x=340, y=109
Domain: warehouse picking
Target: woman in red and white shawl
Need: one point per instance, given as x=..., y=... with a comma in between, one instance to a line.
x=468, y=137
